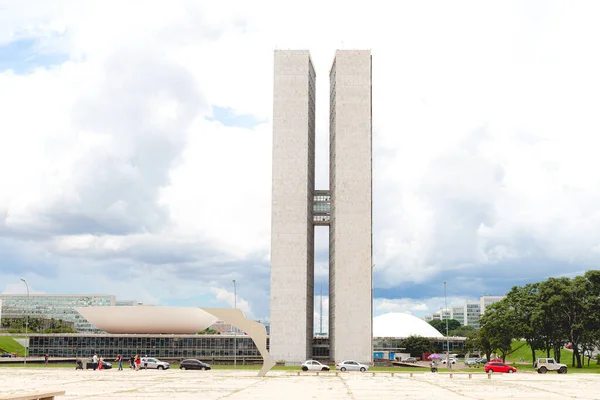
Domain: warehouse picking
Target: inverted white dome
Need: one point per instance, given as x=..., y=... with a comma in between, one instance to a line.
x=401, y=325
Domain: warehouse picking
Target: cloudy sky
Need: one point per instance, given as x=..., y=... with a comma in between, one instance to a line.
x=136, y=141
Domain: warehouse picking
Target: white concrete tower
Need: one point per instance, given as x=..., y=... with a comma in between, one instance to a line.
x=292, y=231
x=350, y=227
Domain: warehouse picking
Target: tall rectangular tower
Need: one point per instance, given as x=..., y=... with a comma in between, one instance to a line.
x=350, y=228
x=292, y=232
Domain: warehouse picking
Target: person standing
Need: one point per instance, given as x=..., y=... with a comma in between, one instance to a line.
x=100, y=363
x=46, y=360
x=120, y=360
x=138, y=361
x=95, y=361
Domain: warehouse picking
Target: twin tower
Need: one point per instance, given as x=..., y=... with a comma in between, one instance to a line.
x=346, y=208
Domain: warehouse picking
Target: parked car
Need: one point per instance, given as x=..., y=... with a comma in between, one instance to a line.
x=410, y=360
x=194, y=364
x=452, y=361
x=153, y=363
x=312, y=365
x=470, y=361
x=543, y=365
x=90, y=364
x=5, y=354
x=481, y=360
x=351, y=365
x=498, y=367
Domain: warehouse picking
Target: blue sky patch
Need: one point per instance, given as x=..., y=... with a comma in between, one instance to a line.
x=24, y=55
x=228, y=117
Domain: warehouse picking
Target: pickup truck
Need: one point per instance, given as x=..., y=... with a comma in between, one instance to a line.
x=543, y=365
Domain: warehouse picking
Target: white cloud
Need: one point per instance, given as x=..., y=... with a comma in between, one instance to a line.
x=112, y=165
x=228, y=297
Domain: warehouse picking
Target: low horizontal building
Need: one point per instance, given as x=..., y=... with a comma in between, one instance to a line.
x=204, y=347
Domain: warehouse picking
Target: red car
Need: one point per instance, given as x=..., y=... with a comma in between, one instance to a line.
x=498, y=367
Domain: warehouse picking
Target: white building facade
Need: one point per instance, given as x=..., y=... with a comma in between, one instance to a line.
x=346, y=208
x=468, y=314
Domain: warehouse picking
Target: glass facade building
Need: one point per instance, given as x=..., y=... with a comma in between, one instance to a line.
x=473, y=314
x=213, y=348
x=54, y=306
x=469, y=313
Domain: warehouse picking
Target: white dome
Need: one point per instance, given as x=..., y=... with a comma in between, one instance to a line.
x=401, y=325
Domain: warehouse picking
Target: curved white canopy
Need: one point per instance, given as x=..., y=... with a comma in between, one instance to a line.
x=147, y=319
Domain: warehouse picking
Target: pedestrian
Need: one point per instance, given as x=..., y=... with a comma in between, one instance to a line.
x=95, y=361
x=46, y=360
x=433, y=366
x=120, y=360
x=138, y=361
x=100, y=363
x=132, y=361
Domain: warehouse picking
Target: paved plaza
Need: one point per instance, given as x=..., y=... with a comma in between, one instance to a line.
x=235, y=385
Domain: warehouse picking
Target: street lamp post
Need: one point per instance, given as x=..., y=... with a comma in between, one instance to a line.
x=234, y=328
x=447, y=339
x=26, y=324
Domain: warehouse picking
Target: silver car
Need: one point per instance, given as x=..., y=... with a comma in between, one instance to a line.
x=312, y=365
x=153, y=363
x=351, y=365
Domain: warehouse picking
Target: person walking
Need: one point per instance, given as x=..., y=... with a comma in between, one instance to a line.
x=138, y=361
x=120, y=360
x=95, y=361
x=100, y=362
x=132, y=361
x=46, y=360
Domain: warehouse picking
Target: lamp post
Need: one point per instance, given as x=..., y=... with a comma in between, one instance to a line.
x=447, y=339
x=234, y=328
x=26, y=325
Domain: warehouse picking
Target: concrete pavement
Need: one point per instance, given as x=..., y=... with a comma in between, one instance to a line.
x=243, y=384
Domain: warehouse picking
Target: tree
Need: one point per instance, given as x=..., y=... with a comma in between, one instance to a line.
x=478, y=341
x=524, y=303
x=462, y=331
x=568, y=300
x=440, y=325
x=498, y=326
x=417, y=345
x=208, y=331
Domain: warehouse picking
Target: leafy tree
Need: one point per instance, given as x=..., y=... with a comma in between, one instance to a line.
x=478, y=341
x=566, y=300
x=498, y=326
x=417, y=345
x=440, y=325
x=208, y=331
x=462, y=331
x=524, y=303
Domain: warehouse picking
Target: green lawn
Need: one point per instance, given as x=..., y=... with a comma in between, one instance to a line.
x=522, y=350
x=9, y=345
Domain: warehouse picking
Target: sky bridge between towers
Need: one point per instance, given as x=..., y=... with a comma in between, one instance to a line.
x=321, y=207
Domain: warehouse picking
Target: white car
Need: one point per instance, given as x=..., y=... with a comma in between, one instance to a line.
x=312, y=365
x=351, y=365
x=153, y=363
x=452, y=361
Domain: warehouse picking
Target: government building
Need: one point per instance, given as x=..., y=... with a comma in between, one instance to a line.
x=345, y=207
